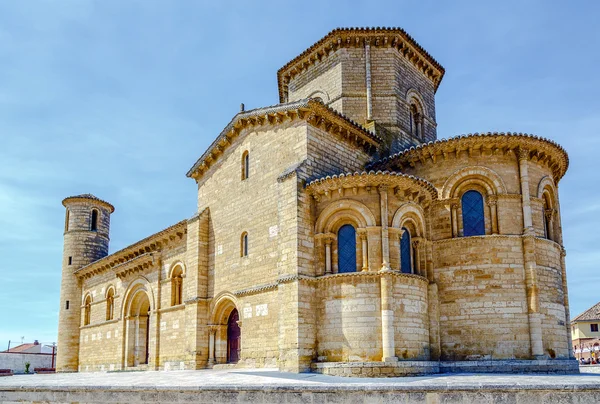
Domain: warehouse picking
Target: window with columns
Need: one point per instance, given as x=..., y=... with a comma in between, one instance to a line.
x=416, y=119
x=346, y=248
x=406, y=259
x=110, y=304
x=473, y=214
x=87, y=310
x=177, y=286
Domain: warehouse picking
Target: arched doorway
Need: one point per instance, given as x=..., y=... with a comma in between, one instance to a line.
x=138, y=329
x=233, y=337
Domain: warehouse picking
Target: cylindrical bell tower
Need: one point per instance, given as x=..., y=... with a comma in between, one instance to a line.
x=86, y=237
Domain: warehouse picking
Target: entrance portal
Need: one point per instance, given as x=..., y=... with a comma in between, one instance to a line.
x=138, y=330
x=233, y=337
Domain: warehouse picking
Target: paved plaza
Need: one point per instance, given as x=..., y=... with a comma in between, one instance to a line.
x=237, y=379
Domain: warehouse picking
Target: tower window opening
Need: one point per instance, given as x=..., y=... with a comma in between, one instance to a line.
x=67, y=221
x=94, y=225
x=70, y=260
x=67, y=305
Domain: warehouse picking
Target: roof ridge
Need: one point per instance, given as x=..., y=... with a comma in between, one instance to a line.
x=305, y=102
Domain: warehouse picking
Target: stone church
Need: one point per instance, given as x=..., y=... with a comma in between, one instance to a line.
x=336, y=234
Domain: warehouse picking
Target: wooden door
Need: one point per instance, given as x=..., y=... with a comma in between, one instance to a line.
x=233, y=337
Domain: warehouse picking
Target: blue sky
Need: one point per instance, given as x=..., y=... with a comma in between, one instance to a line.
x=119, y=98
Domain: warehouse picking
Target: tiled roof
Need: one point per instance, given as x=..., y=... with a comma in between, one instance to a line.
x=308, y=104
x=21, y=348
x=90, y=197
x=593, y=313
x=323, y=45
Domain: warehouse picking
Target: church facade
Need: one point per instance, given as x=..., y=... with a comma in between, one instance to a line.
x=334, y=233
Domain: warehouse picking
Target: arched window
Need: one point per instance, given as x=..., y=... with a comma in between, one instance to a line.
x=406, y=261
x=547, y=217
x=244, y=245
x=110, y=304
x=87, y=310
x=94, y=224
x=67, y=221
x=245, y=165
x=416, y=119
x=472, y=214
x=346, y=249
x=177, y=286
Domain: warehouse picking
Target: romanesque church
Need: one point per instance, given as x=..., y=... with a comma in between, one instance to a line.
x=335, y=233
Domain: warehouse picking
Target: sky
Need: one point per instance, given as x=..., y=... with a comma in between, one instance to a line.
x=118, y=98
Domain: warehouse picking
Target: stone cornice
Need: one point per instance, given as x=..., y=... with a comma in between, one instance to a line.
x=128, y=254
x=395, y=38
x=311, y=111
x=539, y=149
x=407, y=186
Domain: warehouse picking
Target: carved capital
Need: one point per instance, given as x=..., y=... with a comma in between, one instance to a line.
x=492, y=200
x=549, y=213
x=383, y=188
x=416, y=241
x=523, y=154
x=362, y=233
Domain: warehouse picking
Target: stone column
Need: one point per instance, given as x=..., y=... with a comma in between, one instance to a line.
x=526, y=199
x=400, y=233
x=454, y=219
x=239, y=323
x=368, y=79
x=529, y=261
x=549, y=213
x=362, y=233
x=328, y=239
x=492, y=202
x=387, y=316
x=385, y=240
x=417, y=256
x=532, y=289
x=429, y=246
x=212, y=329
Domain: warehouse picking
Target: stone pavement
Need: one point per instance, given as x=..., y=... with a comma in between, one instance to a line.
x=272, y=386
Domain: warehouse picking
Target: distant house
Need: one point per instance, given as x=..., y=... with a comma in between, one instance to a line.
x=36, y=354
x=34, y=347
x=585, y=334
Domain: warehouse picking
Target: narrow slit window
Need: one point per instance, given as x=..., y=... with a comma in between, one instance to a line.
x=244, y=245
x=70, y=260
x=67, y=305
x=94, y=226
x=67, y=221
x=245, y=165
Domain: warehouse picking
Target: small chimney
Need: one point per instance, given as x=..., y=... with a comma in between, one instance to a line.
x=242, y=107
